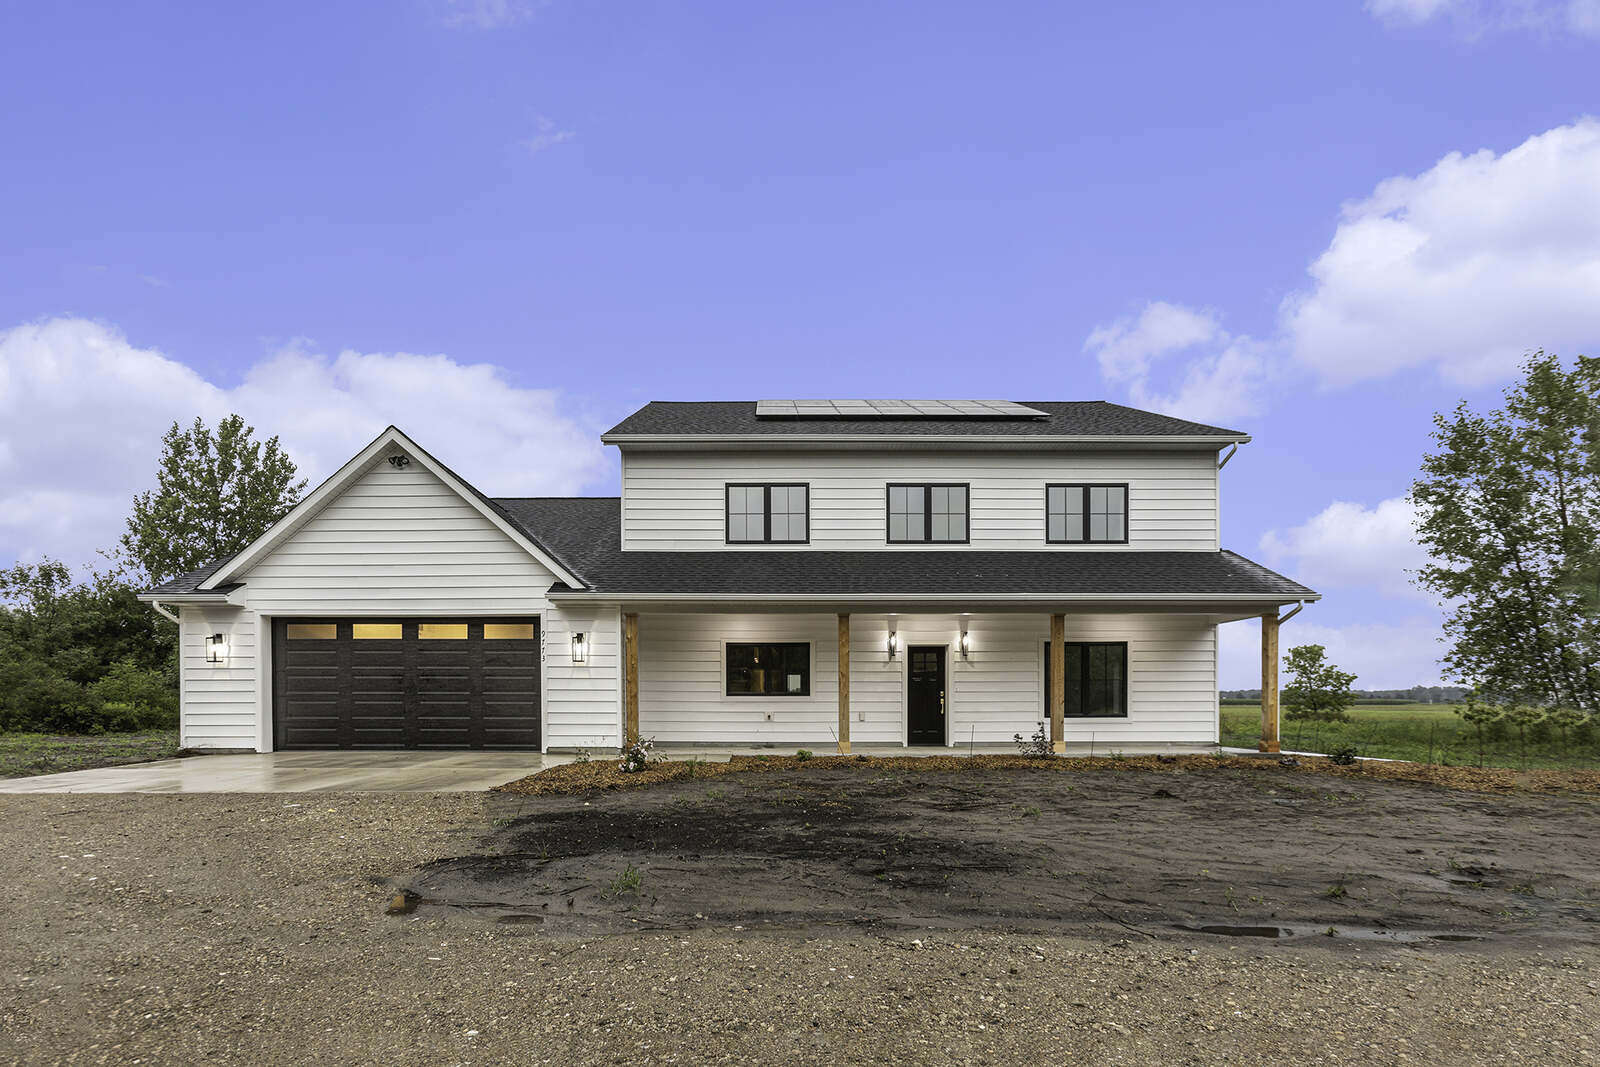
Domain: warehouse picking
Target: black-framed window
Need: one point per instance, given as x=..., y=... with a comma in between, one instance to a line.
x=928, y=513
x=768, y=669
x=768, y=514
x=1086, y=514
x=1096, y=680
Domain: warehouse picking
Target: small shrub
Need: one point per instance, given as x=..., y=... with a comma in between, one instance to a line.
x=1036, y=747
x=1344, y=756
x=582, y=756
x=1337, y=891
x=636, y=757
x=803, y=754
x=626, y=882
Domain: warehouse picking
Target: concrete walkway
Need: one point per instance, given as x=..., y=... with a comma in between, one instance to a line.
x=431, y=772
x=299, y=772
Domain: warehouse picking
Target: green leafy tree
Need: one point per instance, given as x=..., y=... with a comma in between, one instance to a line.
x=69, y=650
x=215, y=493
x=1318, y=690
x=1509, y=512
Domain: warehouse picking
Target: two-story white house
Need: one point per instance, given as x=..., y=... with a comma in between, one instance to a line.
x=801, y=573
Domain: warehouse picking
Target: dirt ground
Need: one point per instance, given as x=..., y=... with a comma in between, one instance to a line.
x=252, y=929
x=1091, y=853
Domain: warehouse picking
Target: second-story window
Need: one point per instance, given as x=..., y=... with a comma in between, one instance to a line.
x=768, y=514
x=1086, y=514
x=921, y=514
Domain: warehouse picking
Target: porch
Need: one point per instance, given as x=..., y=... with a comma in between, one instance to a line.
x=961, y=681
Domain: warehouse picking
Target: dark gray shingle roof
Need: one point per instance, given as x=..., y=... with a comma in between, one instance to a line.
x=1072, y=418
x=586, y=530
x=189, y=581
x=585, y=533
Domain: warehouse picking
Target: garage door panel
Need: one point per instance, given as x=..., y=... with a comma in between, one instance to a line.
x=406, y=684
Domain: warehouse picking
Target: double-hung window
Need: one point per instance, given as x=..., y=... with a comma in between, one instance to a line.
x=928, y=514
x=1096, y=680
x=768, y=514
x=768, y=670
x=1086, y=514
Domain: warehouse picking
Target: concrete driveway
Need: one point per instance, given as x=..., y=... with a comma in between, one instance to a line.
x=299, y=772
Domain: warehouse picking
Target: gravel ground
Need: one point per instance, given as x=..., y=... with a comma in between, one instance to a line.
x=250, y=929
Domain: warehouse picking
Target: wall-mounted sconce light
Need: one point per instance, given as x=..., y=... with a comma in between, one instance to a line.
x=399, y=463
x=580, y=648
x=894, y=643
x=216, y=649
x=966, y=643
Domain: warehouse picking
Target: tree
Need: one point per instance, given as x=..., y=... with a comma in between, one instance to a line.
x=1319, y=691
x=216, y=492
x=82, y=656
x=1481, y=717
x=1509, y=511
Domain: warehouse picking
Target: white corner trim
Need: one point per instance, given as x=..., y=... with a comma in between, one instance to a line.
x=341, y=479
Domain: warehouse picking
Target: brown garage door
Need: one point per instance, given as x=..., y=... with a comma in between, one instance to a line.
x=412, y=683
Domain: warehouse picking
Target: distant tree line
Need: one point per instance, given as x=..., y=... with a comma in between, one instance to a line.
x=1417, y=694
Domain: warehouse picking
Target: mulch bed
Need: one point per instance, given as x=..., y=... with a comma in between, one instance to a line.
x=605, y=774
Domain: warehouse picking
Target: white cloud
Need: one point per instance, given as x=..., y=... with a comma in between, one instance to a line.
x=1464, y=267
x=82, y=412
x=1204, y=373
x=1413, y=12
x=1475, y=17
x=1347, y=545
x=485, y=14
x=548, y=135
x=1383, y=655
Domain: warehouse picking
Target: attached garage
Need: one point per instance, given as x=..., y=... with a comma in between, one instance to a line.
x=405, y=683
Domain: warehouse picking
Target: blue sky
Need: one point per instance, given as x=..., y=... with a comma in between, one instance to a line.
x=504, y=225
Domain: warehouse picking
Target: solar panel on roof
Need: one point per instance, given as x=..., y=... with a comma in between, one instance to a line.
x=895, y=409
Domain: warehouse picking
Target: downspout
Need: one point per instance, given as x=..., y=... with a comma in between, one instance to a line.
x=1297, y=609
x=164, y=613
x=1223, y=462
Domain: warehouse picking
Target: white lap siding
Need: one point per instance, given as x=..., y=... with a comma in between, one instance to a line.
x=400, y=542
x=675, y=500
x=219, y=708
x=996, y=692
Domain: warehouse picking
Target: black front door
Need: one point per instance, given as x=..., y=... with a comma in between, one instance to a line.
x=925, y=695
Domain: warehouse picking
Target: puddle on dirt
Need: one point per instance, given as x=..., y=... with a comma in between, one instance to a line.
x=1346, y=933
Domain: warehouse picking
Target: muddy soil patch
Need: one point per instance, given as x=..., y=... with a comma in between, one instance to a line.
x=1014, y=849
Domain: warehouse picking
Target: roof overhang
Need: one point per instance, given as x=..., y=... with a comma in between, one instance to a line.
x=902, y=441
x=234, y=597
x=330, y=489
x=1233, y=605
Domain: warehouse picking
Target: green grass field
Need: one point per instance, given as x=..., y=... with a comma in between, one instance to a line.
x=25, y=754
x=1419, y=732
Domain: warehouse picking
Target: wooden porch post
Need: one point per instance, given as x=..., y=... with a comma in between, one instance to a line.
x=630, y=676
x=1058, y=683
x=1269, y=682
x=844, y=683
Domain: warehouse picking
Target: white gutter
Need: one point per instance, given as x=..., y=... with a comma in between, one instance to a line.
x=1217, y=440
x=893, y=598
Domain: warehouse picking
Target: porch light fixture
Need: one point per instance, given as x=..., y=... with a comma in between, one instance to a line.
x=216, y=649
x=894, y=643
x=966, y=643
x=580, y=648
